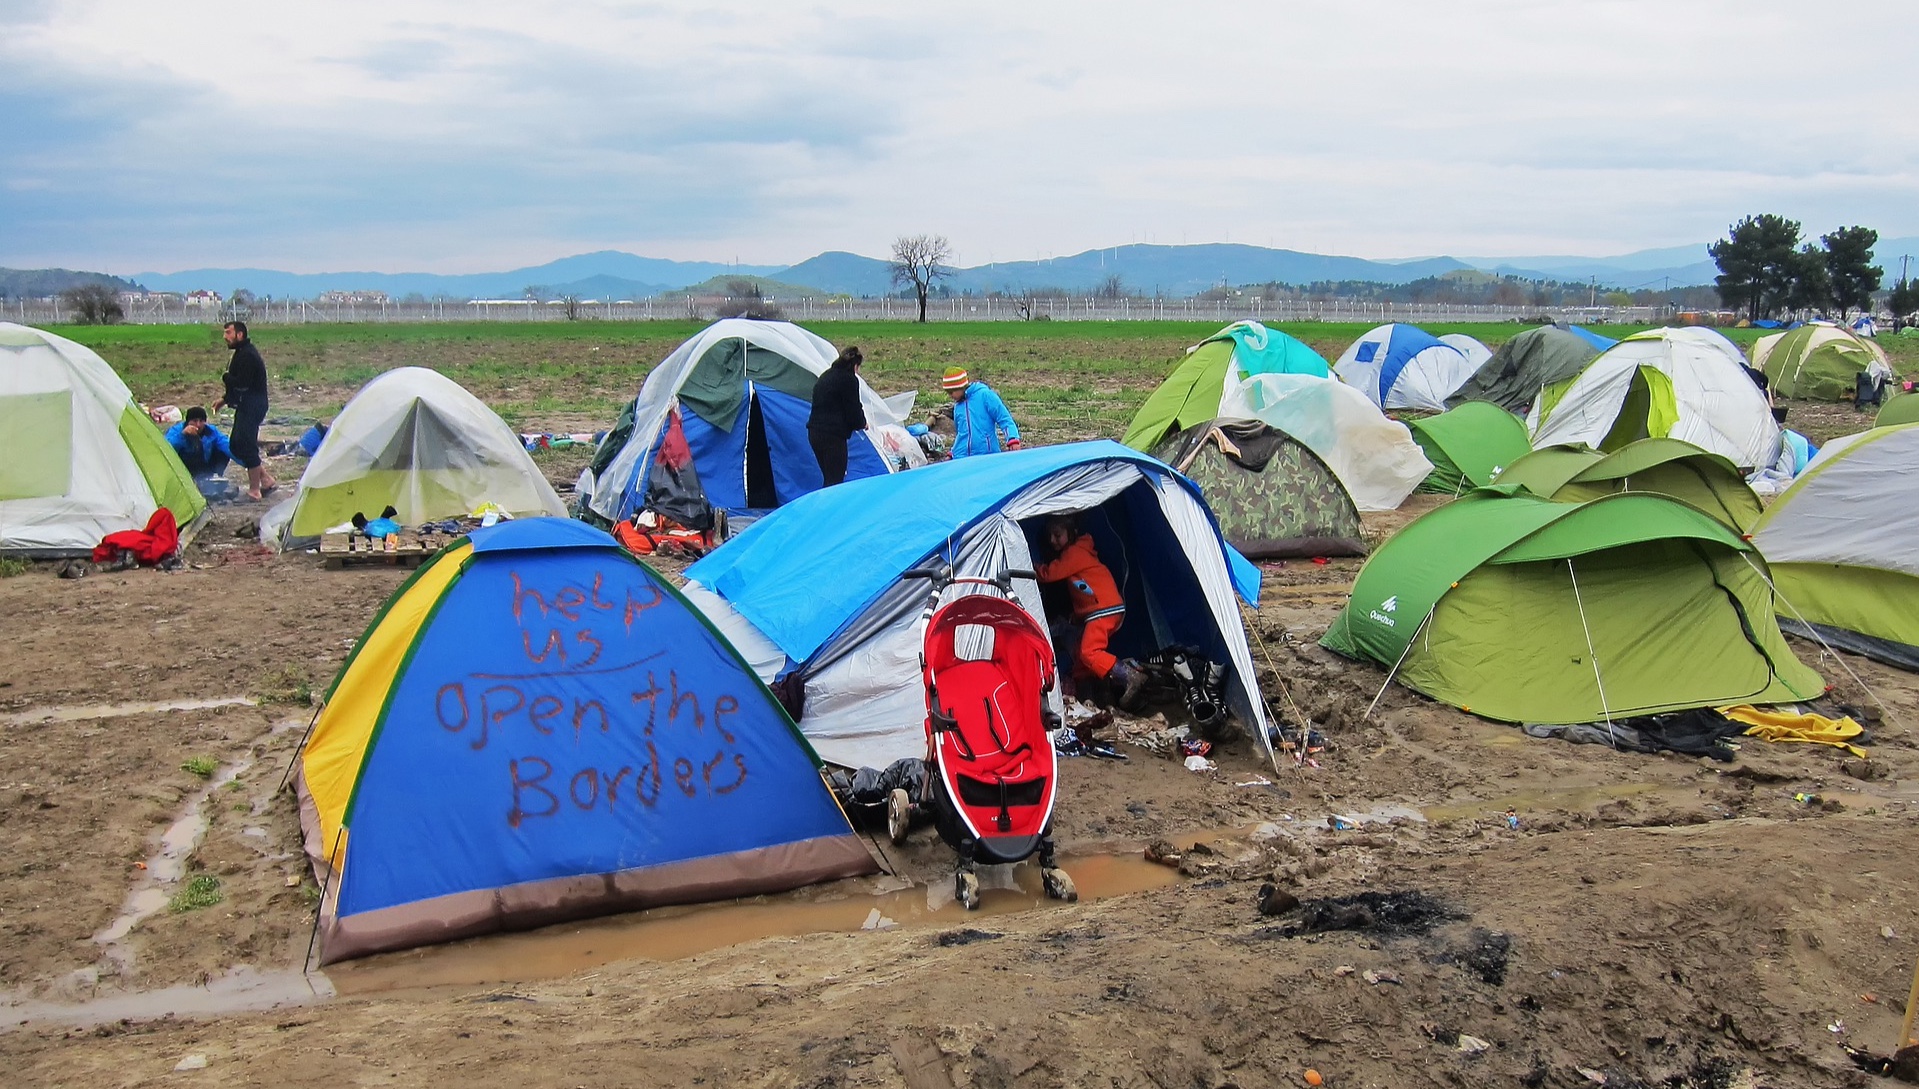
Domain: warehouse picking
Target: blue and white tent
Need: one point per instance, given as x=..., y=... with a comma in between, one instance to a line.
x=1864, y=326
x=738, y=394
x=1403, y=366
x=816, y=587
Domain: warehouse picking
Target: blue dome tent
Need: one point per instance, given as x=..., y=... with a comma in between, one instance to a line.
x=1403, y=366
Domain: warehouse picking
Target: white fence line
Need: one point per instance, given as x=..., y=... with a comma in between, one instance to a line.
x=277, y=312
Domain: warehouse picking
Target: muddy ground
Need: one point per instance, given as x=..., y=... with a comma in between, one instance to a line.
x=1652, y=920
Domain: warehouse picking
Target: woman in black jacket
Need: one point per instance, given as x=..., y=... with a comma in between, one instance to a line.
x=836, y=414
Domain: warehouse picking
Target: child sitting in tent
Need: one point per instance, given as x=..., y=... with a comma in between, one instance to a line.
x=1098, y=609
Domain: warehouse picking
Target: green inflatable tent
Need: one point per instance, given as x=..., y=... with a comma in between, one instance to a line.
x=1195, y=391
x=1524, y=365
x=1468, y=445
x=1272, y=495
x=1521, y=609
x=1669, y=467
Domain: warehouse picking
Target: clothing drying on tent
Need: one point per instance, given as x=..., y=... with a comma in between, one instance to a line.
x=1468, y=446
x=1403, y=366
x=1900, y=409
x=1475, y=352
x=538, y=728
x=1668, y=467
x=78, y=458
x=1521, y=609
x=1526, y=364
x=1373, y=454
x=1818, y=361
x=1843, y=543
x=1688, y=384
x=720, y=424
x=1272, y=495
x=1197, y=389
x=415, y=440
x=847, y=634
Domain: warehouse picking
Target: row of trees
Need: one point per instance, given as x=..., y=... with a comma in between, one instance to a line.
x=1765, y=269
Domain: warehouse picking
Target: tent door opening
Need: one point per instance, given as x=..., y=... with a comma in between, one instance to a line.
x=760, y=491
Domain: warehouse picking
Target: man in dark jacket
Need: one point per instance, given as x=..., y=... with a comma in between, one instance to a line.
x=836, y=414
x=246, y=394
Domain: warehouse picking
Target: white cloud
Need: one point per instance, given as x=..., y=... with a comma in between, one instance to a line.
x=459, y=136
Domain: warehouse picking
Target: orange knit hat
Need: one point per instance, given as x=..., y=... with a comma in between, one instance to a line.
x=956, y=378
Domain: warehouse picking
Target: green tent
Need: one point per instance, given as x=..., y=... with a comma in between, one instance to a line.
x=1193, y=393
x=1523, y=366
x=1521, y=609
x=1843, y=543
x=1272, y=495
x=1819, y=361
x=1900, y=409
x=1468, y=445
x=1669, y=467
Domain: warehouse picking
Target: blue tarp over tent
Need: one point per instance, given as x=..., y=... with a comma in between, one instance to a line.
x=1590, y=337
x=800, y=573
x=816, y=588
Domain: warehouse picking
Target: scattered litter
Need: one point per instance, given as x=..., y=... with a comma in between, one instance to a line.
x=1164, y=853
x=1391, y=913
x=1340, y=824
x=1592, y=1075
x=1200, y=763
x=1887, y=932
x=1195, y=746
x=1344, y=970
x=1869, y=997
x=1837, y=1028
x=1902, y=1064
x=1274, y=900
x=1472, y=1045
x=1376, y=978
x=966, y=937
x=1313, y=1077
x=1256, y=781
x=195, y=1061
x=877, y=921
x=1512, y=819
x=293, y=880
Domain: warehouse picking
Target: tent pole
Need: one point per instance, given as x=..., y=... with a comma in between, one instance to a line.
x=1593, y=655
x=1820, y=639
x=319, y=909
x=298, y=749
x=1391, y=673
x=1284, y=692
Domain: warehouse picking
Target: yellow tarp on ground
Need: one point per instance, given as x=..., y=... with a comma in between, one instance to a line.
x=1789, y=726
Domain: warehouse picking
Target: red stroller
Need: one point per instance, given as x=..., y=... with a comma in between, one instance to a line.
x=987, y=666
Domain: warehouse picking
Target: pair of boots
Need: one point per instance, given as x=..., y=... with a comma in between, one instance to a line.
x=1128, y=678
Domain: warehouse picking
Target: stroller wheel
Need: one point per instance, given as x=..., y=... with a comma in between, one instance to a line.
x=899, y=815
x=1058, y=884
x=966, y=889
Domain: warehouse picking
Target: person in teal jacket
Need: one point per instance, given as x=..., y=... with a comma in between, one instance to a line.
x=979, y=416
x=202, y=449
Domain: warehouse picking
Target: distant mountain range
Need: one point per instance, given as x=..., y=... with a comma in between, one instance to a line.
x=1142, y=269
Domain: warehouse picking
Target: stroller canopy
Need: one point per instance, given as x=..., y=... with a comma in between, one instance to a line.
x=816, y=588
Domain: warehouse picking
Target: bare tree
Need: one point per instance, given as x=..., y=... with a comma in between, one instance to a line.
x=93, y=304
x=570, y=307
x=919, y=260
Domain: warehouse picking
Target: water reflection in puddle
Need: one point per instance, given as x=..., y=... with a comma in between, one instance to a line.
x=87, y=712
x=675, y=932
x=163, y=870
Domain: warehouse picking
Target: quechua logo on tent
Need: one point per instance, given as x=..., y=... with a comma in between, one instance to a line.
x=1383, y=614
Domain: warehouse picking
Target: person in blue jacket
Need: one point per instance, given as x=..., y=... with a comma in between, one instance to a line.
x=979, y=416
x=202, y=449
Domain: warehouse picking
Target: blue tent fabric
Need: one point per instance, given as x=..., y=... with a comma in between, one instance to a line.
x=1407, y=341
x=1590, y=337
x=565, y=715
x=719, y=457
x=1259, y=350
x=800, y=574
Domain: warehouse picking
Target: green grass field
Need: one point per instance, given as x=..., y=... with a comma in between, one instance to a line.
x=1063, y=380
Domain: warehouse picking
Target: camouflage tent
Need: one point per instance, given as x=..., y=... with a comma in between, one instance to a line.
x=1272, y=495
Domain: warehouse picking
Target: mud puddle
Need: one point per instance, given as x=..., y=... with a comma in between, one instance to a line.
x=673, y=933
x=88, y=712
x=163, y=870
x=241, y=990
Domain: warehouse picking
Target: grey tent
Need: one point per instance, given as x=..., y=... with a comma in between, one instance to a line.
x=1525, y=365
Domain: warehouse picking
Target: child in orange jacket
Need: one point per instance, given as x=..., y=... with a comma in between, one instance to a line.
x=1098, y=608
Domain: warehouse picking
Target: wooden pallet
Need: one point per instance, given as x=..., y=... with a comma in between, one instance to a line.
x=410, y=549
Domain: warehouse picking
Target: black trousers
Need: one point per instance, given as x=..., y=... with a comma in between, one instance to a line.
x=244, y=440
x=830, y=452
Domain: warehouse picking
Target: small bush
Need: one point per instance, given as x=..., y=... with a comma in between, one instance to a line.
x=203, y=891
x=9, y=567
x=203, y=766
x=290, y=685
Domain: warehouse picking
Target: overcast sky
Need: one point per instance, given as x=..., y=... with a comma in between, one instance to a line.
x=474, y=136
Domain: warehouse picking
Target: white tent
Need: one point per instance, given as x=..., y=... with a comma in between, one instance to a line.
x=1374, y=455
x=1470, y=347
x=78, y=458
x=416, y=440
x=1688, y=384
x=746, y=388
x=1403, y=366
